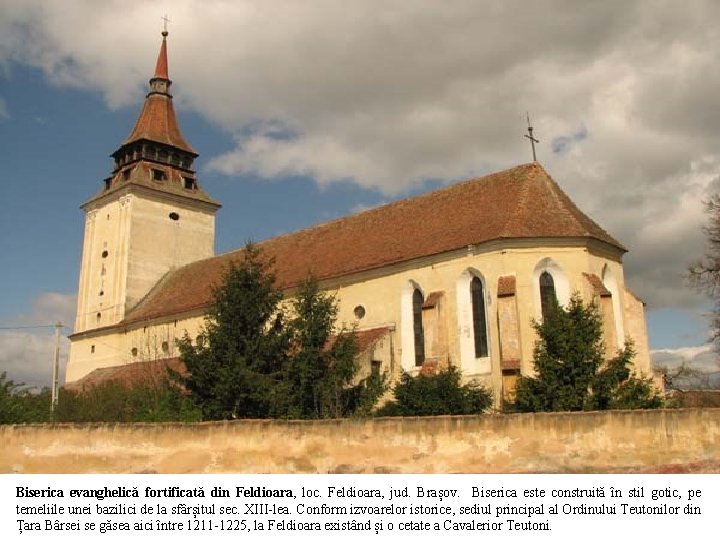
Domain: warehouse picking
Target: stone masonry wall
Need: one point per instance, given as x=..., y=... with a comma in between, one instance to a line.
x=615, y=441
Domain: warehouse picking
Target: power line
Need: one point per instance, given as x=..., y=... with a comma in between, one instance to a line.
x=31, y=327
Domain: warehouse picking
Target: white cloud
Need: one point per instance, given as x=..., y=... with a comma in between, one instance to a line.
x=702, y=358
x=389, y=94
x=689, y=367
x=27, y=354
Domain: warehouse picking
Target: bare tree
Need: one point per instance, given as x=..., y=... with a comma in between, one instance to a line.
x=704, y=275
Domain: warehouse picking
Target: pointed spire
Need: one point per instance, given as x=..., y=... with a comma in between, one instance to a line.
x=157, y=121
x=155, y=155
x=161, y=67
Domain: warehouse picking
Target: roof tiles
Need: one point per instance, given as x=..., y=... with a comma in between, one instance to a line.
x=522, y=202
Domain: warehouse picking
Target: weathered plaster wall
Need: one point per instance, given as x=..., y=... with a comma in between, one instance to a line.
x=559, y=442
x=380, y=293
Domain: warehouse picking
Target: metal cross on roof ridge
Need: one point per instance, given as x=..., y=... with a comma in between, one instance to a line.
x=533, y=140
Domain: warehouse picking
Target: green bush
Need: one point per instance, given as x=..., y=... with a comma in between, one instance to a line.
x=20, y=404
x=438, y=394
x=114, y=401
x=257, y=361
x=571, y=373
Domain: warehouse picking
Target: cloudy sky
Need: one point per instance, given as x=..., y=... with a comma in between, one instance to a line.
x=306, y=111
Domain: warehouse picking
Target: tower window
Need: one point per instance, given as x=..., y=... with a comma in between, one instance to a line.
x=478, y=312
x=105, y=254
x=92, y=348
x=126, y=174
x=165, y=346
x=359, y=312
x=189, y=182
x=98, y=317
x=418, y=332
x=134, y=351
x=108, y=183
x=158, y=175
x=174, y=216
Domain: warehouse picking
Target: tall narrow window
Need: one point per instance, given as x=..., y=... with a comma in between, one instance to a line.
x=418, y=301
x=478, y=311
x=547, y=293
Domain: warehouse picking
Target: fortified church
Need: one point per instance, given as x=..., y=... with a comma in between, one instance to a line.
x=455, y=276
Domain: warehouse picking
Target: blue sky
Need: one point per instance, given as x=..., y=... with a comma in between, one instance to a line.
x=372, y=105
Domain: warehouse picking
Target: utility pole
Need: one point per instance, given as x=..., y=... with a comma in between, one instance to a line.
x=56, y=367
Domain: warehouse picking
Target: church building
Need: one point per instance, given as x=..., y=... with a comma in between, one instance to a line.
x=451, y=277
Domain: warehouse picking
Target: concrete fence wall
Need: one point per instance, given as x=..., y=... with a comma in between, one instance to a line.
x=616, y=441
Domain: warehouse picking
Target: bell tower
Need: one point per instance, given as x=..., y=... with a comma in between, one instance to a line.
x=150, y=216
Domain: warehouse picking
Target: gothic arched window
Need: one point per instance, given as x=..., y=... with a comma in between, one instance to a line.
x=478, y=313
x=548, y=298
x=418, y=301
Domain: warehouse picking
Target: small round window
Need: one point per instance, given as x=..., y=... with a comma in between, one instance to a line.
x=174, y=216
x=165, y=346
x=359, y=312
x=104, y=254
x=134, y=351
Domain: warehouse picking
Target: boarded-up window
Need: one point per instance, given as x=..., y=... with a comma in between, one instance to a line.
x=478, y=311
x=418, y=301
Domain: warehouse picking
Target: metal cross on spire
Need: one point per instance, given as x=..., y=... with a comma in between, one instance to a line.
x=166, y=20
x=533, y=140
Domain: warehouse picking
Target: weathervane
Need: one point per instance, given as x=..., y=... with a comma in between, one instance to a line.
x=166, y=20
x=533, y=140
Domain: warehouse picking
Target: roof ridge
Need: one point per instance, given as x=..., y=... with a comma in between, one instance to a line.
x=574, y=211
x=520, y=203
x=398, y=202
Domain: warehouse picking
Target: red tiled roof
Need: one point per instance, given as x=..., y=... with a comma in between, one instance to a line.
x=368, y=338
x=152, y=372
x=506, y=286
x=161, y=67
x=510, y=364
x=157, y=121
x=365, y=338
x=523, y=202
x=140, y=174
x=597, y=284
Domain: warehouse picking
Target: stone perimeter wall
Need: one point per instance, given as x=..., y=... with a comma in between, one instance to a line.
x=680, y=440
